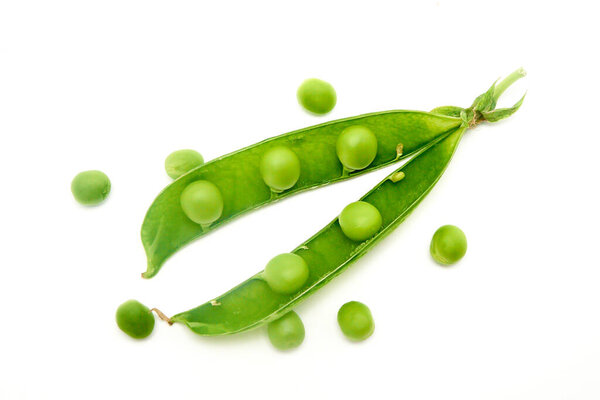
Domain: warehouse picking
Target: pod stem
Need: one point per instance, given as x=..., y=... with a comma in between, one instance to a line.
x=506, y=82
x=162, y=316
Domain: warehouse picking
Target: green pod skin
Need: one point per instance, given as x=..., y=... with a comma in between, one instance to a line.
x=327, y=254
x=400, y=134
x=286, y=332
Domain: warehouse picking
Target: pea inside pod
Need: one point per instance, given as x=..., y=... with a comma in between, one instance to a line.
x=356, y=147
x=286, y=273
x=202, y=202
x=360, y=221
x=280, y=168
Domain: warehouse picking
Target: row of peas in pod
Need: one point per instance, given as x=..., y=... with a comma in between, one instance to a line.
x=356, y=148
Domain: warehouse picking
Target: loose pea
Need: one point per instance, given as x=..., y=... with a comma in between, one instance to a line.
x=360, y=220
x=286, y=273
x=356, y=147
x=286, y=332
x=90, y=187
x=181, y=161
x=280, y=168
x=316, y=96
x=356, y=321
x=448, y=245
x=202, y=202
x=135, y=319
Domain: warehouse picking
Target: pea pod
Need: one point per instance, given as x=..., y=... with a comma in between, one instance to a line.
x=330, y=251
x=237, y=175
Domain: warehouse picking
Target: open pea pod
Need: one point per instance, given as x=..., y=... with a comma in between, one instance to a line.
x=237, y=175
x=328, y=253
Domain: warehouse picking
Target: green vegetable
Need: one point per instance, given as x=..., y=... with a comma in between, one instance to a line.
x=280, y=168
x=356, y=147
x=356, y=321
x=316, y=96
x=202, y=202
x=360, y=221
x=135, y=319
x=448, y=245
x=286, y=332
x=329, y=252
x=181, y=161
x=400, y=134
x=90, y=187
x=286, y=273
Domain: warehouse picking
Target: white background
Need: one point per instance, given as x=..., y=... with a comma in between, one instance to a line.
x=118, y=85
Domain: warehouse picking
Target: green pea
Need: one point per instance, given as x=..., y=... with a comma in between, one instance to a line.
x=360, y=220
x=90, y=187
x=286, y=273
x=316, y=96
x=286, y=332
x=356, y=147
x=135, y=319
x=356, y=321
x=448, y=245
x=181, y=161
x=280, y=168
x=202, y=202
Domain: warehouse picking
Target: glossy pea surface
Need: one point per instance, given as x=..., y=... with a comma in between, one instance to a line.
x=448, y=245
x=316, y=96
x=280, y=168
x=286, y=273
x=356, y=147
x=355, y=321
x=135, y=319
x=202, y=202
x=286, y=332
x=360, y=220
x=182, y=161
x=90, y=187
